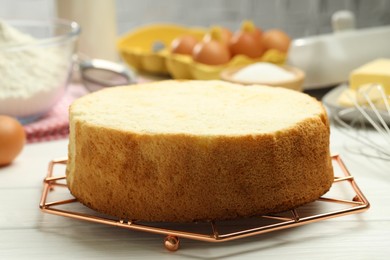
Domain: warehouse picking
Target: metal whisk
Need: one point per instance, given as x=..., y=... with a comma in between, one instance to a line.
x=372, y=103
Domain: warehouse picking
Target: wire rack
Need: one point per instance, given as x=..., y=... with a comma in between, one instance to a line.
x=265, y=223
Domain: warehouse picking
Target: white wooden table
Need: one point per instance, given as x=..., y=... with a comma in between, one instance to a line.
x=27, y=233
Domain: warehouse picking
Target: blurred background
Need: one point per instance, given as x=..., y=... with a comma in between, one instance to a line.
x=298, y=18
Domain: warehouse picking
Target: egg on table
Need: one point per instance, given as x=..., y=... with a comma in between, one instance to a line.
x=12, y=139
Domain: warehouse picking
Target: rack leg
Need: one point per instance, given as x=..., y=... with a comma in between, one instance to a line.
x=171, y=243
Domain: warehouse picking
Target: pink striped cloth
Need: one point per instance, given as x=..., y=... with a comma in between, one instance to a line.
x=55, y=124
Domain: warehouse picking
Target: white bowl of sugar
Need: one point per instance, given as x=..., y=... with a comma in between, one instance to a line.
x=36, y=61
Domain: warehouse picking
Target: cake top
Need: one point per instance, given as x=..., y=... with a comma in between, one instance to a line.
x=196, y=108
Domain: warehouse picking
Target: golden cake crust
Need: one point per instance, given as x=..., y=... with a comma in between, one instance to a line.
x=184, y=177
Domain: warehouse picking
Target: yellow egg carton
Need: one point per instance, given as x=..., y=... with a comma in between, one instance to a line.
x=147, y=50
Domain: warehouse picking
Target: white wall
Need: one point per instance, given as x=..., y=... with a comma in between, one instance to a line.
x=297, y=17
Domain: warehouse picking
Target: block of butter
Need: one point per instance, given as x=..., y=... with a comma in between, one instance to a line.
x=377, y=71
x=363, y=78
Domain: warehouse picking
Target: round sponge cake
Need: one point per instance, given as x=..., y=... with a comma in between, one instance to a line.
x=197, y=150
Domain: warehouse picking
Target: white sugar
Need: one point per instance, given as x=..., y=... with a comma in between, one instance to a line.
x=263, y=72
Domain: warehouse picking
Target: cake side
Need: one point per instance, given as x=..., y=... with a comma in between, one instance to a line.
x=187, y=178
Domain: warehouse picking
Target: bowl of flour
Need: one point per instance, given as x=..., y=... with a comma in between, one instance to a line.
x=36, y=61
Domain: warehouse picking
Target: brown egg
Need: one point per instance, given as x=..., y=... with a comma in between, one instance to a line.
x=12, y=139
x=276, y=39
x=258, y=34
x=247, y=41
x=183, y=44
x=213, y=51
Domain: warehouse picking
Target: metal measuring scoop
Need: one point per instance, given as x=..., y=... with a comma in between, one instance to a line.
x=97, y=74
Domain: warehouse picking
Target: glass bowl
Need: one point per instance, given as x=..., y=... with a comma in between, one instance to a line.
x=36, y=61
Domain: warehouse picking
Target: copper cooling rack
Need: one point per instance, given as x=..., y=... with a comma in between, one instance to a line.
x=309, y=213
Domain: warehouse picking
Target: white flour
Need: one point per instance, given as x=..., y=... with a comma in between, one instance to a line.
x=31, y=79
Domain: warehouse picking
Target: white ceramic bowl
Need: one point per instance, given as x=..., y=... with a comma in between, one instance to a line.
x=36, y=60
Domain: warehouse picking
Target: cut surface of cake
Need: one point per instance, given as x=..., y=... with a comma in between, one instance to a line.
x=184, y=151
